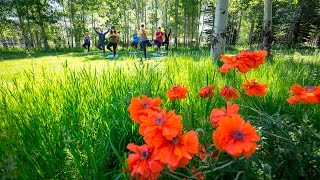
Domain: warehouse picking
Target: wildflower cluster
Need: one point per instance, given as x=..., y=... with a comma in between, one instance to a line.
x=166, y=143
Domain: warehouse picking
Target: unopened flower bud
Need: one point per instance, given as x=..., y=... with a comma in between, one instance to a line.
x=200, y=131
x=266, y=168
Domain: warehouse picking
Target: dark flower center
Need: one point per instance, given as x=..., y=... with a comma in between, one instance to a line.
x=254, y=83
x=159, y=121
x=238, y=135
x=145, y=105
x=175, y=88
x=175, y=141
x=310, y=89
x=144, y=154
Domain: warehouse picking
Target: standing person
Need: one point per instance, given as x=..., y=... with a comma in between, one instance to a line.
x=159, y=39
x=166, y=39
x=135, y=41
x=113, y=41
x=86, y=43
x=102, y=38
x=143, y=35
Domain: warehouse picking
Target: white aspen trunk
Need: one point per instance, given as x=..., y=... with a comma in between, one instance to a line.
x=266, y=30
x=218, y=42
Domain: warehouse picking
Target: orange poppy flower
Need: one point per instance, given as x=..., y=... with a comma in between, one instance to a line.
x=244, y=61
x=179, y=151
x=229, y=92
x=217, y=114
x=236, y=137
x=167, y=124
x=305, y=95
x=139, y=107
x=177, y=92
x=206, y=92
x=144, y=164
x=229, y=62
x=259, y=57
x=252, y=59
x=254, y=88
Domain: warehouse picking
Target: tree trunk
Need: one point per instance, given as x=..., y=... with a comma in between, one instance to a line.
x=266, y=30
x=250, y=35
x=42, y=28
x=165, y=14
x=185, y=28
x=219, y=31
x=176, y=23
x=239, y=27
x=21, y=24
x=137, y=13
x=293, y=28
x=29, y=27
x=200, y=29
x=37, y=39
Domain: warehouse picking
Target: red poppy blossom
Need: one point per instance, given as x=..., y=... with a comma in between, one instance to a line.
x=236, y=137
x=140, y=106
x=144, y=164
x=206, y=92
x=254, y=88
x=217, y=114
x=179, y=151
x=304, y=95
x=177, y=92
x=244, y=61
x=229, y=92
x=252, y=59
x=229, y=63
x=167, y=124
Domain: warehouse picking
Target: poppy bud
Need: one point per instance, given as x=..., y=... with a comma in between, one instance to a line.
x=200, y=131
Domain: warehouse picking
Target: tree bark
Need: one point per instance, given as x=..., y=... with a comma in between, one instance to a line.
x=267, y=23
x=250, y=35
x=29, y=27
x=176, y=23
x=21, y=24
x=219, y=31
x=239, y=27
x=42, y=28
x=165, y=14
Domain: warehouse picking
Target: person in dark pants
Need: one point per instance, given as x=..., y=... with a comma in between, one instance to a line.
x=102, y=38
x=86, y=43
x=113, y=41
x=166, y=39
x=143, y=36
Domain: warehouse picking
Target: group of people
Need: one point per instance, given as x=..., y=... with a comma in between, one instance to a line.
x=140, y=37
x=114, y=39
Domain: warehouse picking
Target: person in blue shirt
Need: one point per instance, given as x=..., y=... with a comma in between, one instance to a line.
x=102, y=39
x=135, y=41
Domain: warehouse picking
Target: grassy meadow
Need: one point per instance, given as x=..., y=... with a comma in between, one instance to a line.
x=65, y=115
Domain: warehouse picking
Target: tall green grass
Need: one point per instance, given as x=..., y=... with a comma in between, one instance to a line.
x=73, y=122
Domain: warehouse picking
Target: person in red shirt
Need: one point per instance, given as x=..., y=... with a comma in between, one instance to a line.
x=159, y=38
